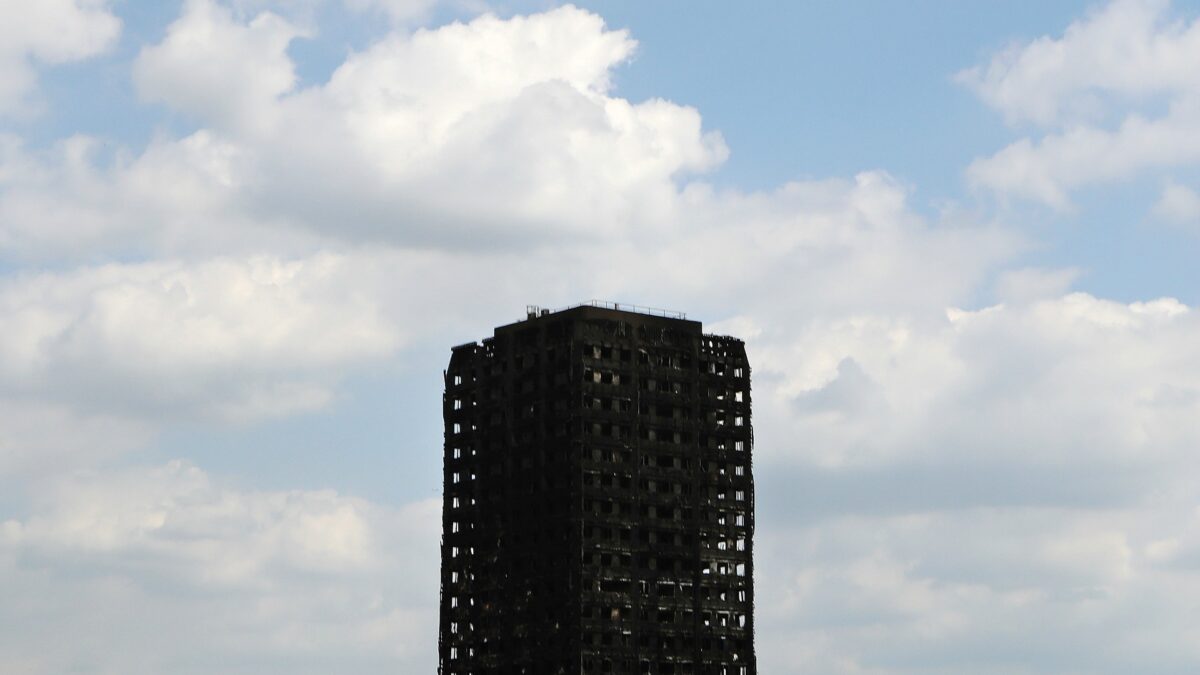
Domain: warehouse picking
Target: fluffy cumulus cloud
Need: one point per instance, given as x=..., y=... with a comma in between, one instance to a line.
x=48, y=32
x=139, y=330
x=945, y=484
x=481, y=133
x=471, y=132
x=1128, y=50
x=1114, y=94
x=218, y=69
x=941, y=493
x=124, y=563
x=947, y=389
x=115, y=351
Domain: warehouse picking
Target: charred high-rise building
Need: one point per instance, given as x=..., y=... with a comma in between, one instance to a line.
x=599, y=503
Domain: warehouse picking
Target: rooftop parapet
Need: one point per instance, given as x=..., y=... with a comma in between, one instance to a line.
x=535, y=311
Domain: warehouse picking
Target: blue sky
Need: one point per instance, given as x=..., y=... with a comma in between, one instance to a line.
x=238, y=237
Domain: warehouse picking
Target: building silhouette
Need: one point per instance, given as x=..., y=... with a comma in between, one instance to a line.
x=599, y=503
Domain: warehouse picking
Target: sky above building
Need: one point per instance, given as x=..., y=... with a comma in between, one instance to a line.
x=238, y=238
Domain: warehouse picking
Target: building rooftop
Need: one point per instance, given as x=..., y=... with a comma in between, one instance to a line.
x=534, y=311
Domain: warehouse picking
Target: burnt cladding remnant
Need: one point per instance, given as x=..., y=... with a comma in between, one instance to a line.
x=599, y=503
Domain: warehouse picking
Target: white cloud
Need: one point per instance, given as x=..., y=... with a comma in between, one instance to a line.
x=231, y=339
x=1127, y=51
x=397, y=10
x=48, y=32
x=933, y=494
x=959, y=591
x=1179, y=204
x=1028, y=284
x=1049, y=169
x=951, y=390
x=79, y=200
x=176, y=520
x=218, y=69
x=154, y=558
x=242, y=337
x=489, y=133
x=470, y=132
x=38, y=438
x=412, y=143
x=1097, y=89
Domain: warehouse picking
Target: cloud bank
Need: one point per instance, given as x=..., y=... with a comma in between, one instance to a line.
x=1114, y=97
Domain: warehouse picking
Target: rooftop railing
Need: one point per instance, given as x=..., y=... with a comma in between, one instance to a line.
x=532, y=311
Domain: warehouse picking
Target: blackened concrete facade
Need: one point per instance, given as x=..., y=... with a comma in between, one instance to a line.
x=598, y=499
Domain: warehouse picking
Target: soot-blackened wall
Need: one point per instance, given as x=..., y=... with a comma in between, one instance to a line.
x=599, y=500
